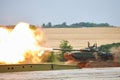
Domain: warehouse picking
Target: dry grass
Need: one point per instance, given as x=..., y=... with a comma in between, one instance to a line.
x=78, y=37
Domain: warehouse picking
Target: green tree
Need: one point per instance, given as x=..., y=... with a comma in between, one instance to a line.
x=43, y=25
x=107, y=47
x=49, y=24
x=65, y=47
x=64, y=24
x=52, y=57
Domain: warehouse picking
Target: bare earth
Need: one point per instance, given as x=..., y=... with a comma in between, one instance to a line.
x=78, y=37
x=74, y=74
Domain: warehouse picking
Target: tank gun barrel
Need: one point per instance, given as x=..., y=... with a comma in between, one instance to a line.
x=58, y=49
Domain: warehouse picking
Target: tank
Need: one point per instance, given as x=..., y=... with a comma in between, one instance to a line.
x=91, y=53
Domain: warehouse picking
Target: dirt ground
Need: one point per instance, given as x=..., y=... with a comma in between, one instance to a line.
x=103, y=64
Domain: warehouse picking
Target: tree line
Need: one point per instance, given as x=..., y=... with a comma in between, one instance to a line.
x=75, y=25
x=107, y=47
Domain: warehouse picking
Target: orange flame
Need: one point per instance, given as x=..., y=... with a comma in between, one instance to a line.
x=21, y=45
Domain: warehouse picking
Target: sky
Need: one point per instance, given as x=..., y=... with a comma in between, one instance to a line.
x=37, y=12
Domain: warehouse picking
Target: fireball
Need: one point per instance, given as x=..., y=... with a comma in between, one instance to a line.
x=22, y=45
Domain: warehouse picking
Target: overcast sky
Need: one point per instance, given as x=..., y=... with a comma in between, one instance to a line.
x=38, y=12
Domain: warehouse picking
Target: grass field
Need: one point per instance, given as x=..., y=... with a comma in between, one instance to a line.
x=78, y=37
